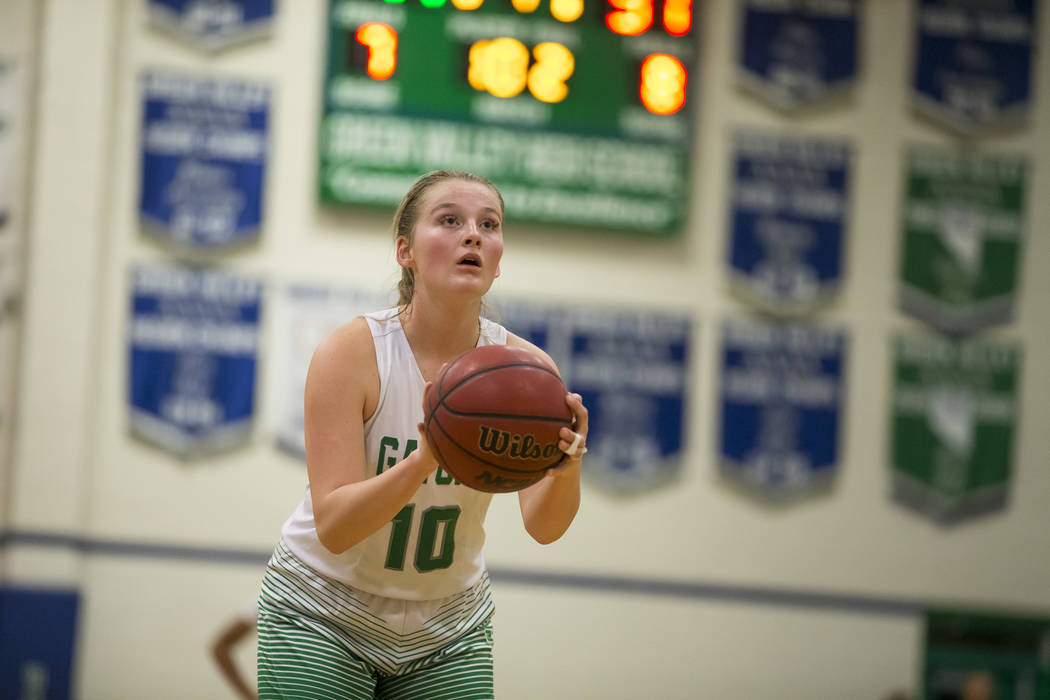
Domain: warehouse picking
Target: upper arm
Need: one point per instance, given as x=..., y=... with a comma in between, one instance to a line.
x=233, y=632
x=342, y=388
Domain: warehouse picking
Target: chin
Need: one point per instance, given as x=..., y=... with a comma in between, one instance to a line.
x=474, y=289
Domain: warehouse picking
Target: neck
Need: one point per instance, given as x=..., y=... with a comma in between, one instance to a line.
x=441, y=330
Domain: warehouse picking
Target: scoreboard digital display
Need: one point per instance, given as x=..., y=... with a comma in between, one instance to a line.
x=578, y=110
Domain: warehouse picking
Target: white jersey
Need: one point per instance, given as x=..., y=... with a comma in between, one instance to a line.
x=432, y=548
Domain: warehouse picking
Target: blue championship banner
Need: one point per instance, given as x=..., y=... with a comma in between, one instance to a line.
x=973, y=63
x=782, y=396
x=790, y=203
x=38, y=629
x=211, y=25
x=793, y=54
x=193, y=339
x=204, y=146
x=633, y=371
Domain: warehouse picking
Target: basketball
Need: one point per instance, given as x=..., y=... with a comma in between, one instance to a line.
x=492, y=418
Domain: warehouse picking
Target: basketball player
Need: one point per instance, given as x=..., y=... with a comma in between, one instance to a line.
x=378, y=588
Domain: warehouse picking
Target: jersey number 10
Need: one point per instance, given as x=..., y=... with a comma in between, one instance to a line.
x=431, y=553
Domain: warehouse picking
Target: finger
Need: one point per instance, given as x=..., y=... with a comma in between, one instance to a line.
x=573, y=446
x=579, y=412
x=426, y=390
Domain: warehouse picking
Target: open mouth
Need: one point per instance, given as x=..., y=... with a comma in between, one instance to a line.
x=470, y=260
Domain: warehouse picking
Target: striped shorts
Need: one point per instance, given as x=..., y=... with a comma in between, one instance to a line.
x=319, y=638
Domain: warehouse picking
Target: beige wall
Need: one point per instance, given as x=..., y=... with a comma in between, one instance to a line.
x=17, y=46
x=147, y=620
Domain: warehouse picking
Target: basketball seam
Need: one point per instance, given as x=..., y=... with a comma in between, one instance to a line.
x=519, y=416
x=441, y=401
x=444, y=394
x=493, y=369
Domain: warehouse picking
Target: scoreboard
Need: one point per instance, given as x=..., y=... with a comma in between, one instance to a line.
x=579, y=110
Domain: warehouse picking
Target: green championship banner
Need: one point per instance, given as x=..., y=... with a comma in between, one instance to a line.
x=953, y=417
x=961, y=233
x=981, y=654
x=580, y=115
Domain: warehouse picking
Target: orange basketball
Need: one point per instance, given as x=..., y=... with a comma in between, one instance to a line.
x=492, y=418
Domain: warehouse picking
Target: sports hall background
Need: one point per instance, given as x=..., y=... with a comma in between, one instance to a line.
x=686, y=592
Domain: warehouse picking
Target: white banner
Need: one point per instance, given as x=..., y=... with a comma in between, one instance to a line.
x=303, y=315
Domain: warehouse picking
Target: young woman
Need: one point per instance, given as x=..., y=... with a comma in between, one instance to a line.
x=367, y=595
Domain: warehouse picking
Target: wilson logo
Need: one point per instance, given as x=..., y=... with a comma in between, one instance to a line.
x=500, y=442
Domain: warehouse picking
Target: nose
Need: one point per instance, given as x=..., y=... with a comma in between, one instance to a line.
x=472, y=237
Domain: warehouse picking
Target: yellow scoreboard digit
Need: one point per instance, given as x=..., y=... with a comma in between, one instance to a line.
x=580, y=110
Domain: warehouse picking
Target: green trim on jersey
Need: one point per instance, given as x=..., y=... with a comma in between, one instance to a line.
x=321, y=638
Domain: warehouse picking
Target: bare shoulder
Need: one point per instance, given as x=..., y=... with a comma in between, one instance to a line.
x=516, y=341
x=345, y=360
x=350, y=341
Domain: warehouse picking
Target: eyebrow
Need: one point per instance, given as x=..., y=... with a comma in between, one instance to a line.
x=453, y=205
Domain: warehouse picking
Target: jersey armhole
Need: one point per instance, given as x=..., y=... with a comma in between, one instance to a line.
x=381, y=372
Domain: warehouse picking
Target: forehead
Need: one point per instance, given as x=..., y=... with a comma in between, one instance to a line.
x=462, y=193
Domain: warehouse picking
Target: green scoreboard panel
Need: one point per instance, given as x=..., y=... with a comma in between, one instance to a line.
x=579, y=110
x=1005, y=654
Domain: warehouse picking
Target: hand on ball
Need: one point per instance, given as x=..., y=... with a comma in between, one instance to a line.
x=572, y=441
x=425, y=453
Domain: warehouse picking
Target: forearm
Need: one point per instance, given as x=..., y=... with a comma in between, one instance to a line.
x=352, y=512
x=224, y=659
x=236, y=679
x=548, y=507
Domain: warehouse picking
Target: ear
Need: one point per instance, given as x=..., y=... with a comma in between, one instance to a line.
x=497, y=271
x=403, y=252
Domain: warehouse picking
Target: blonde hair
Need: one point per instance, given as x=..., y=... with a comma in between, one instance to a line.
x=407, y=215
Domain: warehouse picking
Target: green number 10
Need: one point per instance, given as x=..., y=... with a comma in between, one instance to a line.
x=430, y=554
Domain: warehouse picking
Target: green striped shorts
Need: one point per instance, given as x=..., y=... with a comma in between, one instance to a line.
x=319, y=638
